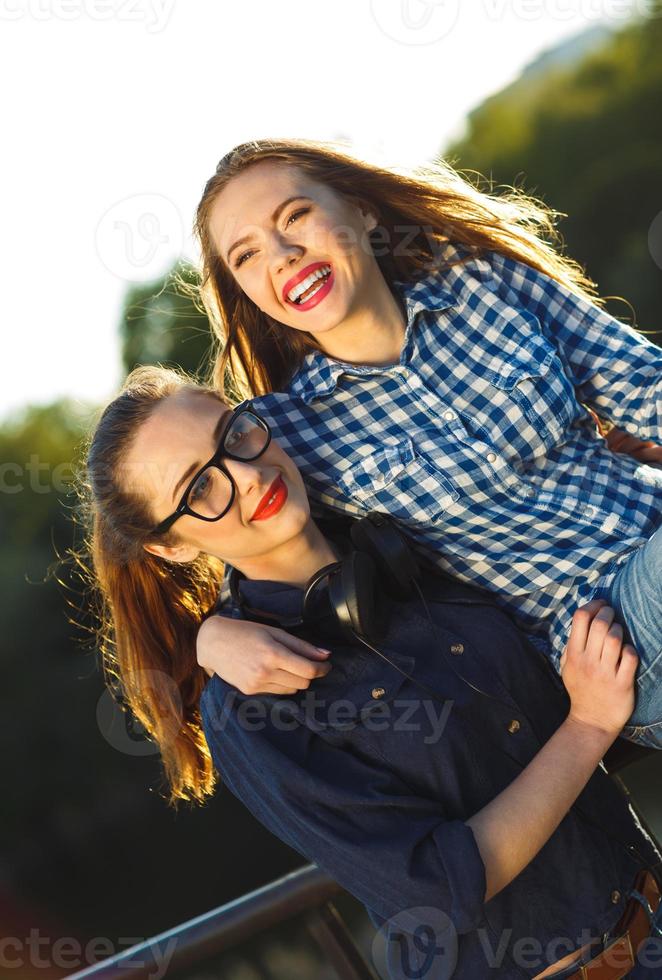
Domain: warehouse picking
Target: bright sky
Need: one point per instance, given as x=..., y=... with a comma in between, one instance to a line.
x=115, y=113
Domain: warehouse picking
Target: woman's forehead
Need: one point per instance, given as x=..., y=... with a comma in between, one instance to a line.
x=177, y=432
x=250, y=198
x=184, y=420
x=266, y=176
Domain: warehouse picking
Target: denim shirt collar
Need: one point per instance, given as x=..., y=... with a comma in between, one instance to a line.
x=277, y=598
x=318, y=374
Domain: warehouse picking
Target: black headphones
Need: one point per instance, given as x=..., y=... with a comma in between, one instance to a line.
x=380, y=566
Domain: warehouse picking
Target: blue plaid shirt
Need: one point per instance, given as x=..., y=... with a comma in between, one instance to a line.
x=477, y=440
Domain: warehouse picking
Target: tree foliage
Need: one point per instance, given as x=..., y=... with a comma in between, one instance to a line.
x=584, y=137
x=161, y=324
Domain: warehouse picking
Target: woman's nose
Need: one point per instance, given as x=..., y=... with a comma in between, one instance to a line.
x=245, y=475
x=283, y=253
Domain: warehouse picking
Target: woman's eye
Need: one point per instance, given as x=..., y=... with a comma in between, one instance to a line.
x=295, y=214
x=201, y=487
x=234, y=439
x=245, y=255
x=242, y=257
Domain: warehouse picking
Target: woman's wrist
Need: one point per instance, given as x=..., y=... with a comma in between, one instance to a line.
x=586, y=732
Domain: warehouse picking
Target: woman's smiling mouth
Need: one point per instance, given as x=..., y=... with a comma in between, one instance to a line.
x=309, y=287
x=272, y=501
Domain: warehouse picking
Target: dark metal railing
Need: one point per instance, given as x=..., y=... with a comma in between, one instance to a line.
x=306, y=892
x=623, y=753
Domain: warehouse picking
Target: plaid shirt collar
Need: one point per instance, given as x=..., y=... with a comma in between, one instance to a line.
x=318, y=374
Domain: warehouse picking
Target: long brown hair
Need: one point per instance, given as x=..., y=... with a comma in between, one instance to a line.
x=258, y=354
x=149, y=609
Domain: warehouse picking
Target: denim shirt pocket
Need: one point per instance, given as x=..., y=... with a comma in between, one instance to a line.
x=340, y=707
x=394, y=478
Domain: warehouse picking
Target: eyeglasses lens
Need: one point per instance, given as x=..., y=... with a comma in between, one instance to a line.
x=247, y=437
x=211, y=493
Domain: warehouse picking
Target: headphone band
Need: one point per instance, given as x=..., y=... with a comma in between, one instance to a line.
x=317, y=580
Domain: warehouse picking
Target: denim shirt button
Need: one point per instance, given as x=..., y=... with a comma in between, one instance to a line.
x=615, y=897
x=514, y=726
x=378, y=692
x=457, y=648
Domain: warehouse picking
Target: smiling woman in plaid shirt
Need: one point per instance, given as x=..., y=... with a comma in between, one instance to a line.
x=419, y=348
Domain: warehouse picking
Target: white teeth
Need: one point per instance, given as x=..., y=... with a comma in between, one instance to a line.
x=301, y=287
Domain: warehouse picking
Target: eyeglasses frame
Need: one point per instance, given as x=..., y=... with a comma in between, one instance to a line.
x=182, y=507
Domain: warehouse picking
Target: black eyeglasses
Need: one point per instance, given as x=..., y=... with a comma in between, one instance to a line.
x=210, y=494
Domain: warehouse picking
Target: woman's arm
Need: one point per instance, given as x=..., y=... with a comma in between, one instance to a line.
x=644, y=451
x=612, y=367
x=598, y=672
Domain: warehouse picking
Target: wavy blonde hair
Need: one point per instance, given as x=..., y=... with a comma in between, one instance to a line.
x=256, y=354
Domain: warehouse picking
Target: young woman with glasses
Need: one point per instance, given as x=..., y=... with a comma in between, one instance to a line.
x=486, y=823
x=420, y=348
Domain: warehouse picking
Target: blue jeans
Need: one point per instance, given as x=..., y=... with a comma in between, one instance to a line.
x=636, y=597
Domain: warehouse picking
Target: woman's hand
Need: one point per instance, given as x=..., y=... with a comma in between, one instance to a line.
x=620, y=441
x=258, y=659
x=598, y=670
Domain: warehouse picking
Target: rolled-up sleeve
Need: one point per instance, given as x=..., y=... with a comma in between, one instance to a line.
x=351, y=814
x=614, y=369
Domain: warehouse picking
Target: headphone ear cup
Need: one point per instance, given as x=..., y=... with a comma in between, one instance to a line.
x=353, y=594
x=378, y=536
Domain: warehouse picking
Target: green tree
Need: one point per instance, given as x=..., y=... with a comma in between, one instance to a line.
x=582, y=138
x=161, y=324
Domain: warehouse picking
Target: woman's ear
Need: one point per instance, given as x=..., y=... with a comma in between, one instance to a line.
x=370, y=219
x=174, y=552
x=368, y=213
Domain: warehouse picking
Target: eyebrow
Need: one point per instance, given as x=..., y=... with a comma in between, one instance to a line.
x=274, y=218
x=216, y=435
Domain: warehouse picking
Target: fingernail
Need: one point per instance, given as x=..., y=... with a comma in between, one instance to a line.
x=326, y=652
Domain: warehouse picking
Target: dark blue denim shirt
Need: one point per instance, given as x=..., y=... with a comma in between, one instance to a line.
x=370, y=777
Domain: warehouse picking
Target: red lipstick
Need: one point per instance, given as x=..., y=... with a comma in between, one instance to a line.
x=319, y=291
x=272, y=501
